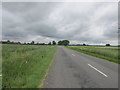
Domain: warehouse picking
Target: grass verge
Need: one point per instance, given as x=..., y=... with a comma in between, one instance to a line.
x=108, y=53
x=24, y=66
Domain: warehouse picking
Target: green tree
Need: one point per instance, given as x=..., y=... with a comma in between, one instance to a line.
x=49, y=43
x=8, y=41
x=107, y=44
x=59, y=42
x=64, y=42
x=84, y=44
x=33, y=42
x=53, y=43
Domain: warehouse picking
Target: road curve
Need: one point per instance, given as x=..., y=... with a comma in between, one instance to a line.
x=72, y=69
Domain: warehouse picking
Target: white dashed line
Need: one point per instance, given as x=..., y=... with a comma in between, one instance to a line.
x=73, y=54
x=98, y=70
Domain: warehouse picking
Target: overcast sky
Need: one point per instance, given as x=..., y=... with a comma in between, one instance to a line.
x=80, y=22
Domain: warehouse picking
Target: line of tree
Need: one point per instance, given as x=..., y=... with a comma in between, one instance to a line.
x=9, y=42
x=61, y=42
x=25, y=43
x=52, y=43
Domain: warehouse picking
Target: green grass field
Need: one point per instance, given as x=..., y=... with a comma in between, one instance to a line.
x=24, y=66
x=109, y=53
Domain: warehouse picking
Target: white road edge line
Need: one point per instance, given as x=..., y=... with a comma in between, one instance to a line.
x=73, y=54
x=98, y=70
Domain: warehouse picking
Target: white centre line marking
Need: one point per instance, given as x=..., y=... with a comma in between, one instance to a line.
x=98, y=70
x=73, y=54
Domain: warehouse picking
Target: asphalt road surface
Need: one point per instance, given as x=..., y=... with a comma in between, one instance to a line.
x=71, y=69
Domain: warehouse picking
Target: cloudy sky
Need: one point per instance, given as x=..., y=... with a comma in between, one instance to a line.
x=79, y=22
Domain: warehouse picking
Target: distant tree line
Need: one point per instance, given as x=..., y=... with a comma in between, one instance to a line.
x=64, y=42
x=9, y=42
x=61, y=42
x=25, y=43
x=79, y=44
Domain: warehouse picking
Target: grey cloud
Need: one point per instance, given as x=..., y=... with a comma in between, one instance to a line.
x=30, y=11
x=79, y=22
x=42, y=29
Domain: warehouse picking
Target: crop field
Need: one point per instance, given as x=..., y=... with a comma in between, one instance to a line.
x=109, y=53
x=24, y=66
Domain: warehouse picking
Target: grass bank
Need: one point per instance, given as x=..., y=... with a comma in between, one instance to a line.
x=24, y=66
x=108, y=53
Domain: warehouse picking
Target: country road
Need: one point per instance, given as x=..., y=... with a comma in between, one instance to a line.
x=71, y=69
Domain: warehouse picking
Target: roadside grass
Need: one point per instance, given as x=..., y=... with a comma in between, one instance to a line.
x=0, y=66
x=109, y=53
x=24, y=66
